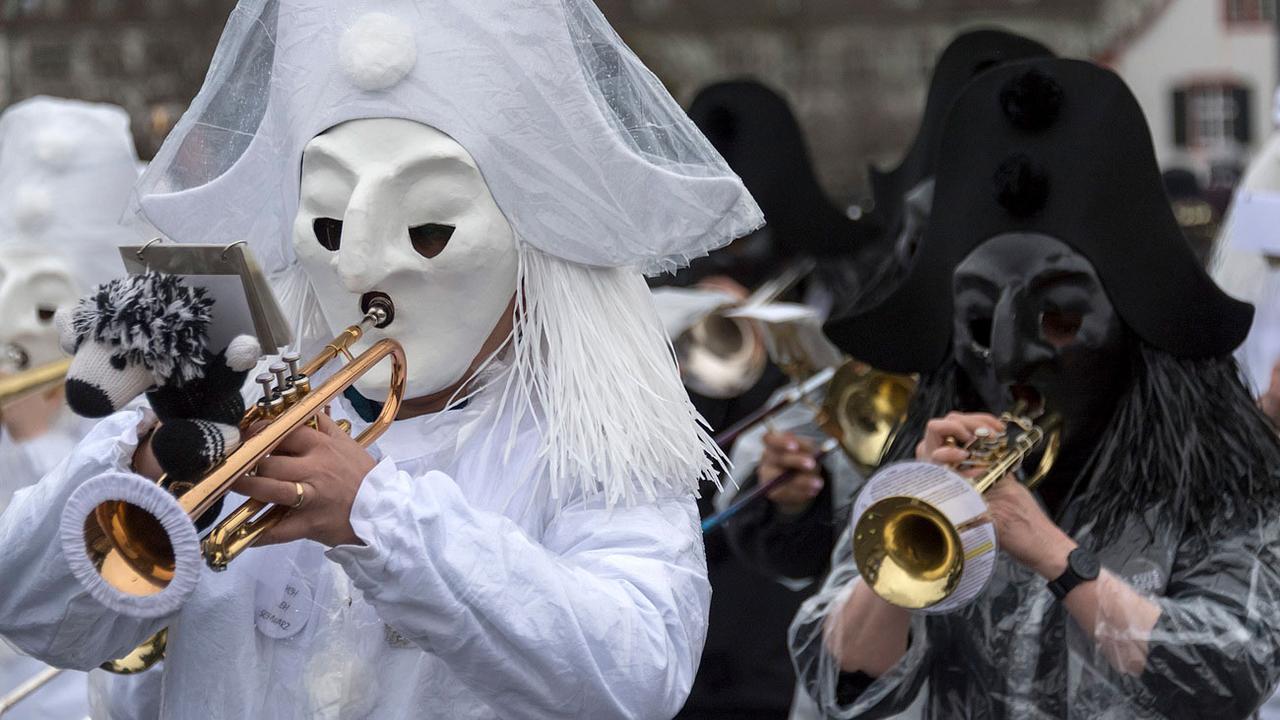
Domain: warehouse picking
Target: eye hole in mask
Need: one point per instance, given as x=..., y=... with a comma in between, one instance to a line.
x=45, y=314
x=980, y=333
x=431, y=239
x=1060, y=328
x=329, y=233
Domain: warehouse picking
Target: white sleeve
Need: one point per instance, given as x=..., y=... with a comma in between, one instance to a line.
x=43, y=608
x=605, y=618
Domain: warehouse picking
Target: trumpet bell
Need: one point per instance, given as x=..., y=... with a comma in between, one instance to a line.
x=917, y=562
x=131, y=545
x=864, y=408
x=721, y=357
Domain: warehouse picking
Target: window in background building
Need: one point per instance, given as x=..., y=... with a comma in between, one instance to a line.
x=1211, y=115
x=1250, y=11
x=50, y=60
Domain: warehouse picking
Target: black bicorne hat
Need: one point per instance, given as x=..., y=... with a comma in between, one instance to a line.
x=968, y=55
x=754, y=129
x=1058, y=147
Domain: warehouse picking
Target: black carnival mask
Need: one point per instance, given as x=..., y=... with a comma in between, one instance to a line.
x=1034, y=324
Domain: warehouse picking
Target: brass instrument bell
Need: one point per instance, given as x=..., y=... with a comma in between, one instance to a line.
x=722, y=356
x=863, y=409
x=921, y=538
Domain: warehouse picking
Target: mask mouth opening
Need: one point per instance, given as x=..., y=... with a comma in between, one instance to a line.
x=382, y=301
x=1028, y=397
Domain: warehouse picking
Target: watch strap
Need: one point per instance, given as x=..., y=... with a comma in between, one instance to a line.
x=1071, y=577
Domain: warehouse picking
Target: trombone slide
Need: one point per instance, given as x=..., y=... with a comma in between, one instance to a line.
x=29, y=382
x=28, y=688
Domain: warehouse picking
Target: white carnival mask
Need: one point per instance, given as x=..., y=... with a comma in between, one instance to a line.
x=397, y=207
x=33, y=284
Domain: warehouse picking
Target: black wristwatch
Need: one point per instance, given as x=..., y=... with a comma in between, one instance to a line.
x=1082, y=566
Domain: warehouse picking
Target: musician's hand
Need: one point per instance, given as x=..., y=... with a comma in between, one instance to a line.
x=955, y=426
x=330, y=466
x=1025, y=532
x=784, y=452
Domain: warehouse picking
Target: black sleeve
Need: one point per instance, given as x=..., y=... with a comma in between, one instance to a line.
x=792, y=546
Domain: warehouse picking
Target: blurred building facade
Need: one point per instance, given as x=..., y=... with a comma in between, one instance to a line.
x=856, y=72
x=148, y=56
x=1205, y=73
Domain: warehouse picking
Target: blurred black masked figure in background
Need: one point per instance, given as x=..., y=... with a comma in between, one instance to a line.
x=755, y=130
x=789, y=538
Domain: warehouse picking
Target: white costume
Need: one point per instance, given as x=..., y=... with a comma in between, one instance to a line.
x=502, y=606
x=1244, y=260
x=531, y=552
x=66, y=169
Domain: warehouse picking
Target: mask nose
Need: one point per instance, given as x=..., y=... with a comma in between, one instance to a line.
x=370, y=229
x=1016, y=345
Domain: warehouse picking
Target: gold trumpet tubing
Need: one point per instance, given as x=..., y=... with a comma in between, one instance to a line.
x=340, y=345
x=28, y=688
x=18, y=386
x=240, y=530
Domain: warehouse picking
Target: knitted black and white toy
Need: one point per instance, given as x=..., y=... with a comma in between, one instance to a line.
x=149, y=333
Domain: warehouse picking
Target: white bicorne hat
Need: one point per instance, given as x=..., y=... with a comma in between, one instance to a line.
x=586, y=153
x=599, y=172
x=67, y=169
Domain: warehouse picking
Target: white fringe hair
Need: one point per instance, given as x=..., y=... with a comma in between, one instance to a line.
x=590, y=359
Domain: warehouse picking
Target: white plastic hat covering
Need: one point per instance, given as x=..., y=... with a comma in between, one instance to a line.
x=586, y=153
x=67, y=169
x=598, y=171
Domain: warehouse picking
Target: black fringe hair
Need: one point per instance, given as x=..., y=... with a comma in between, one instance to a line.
x=1187, y=438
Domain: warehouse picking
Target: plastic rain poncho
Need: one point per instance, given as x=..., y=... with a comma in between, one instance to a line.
x=1214, y=650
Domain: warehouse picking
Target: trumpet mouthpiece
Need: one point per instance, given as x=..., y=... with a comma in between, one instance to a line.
x=378, y=308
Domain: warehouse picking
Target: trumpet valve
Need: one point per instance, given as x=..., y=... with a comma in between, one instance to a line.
x=270, y=404
x=299, y=380
x=284, y=384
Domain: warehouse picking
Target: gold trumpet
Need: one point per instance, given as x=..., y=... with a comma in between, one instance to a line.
x=130, y=548
x=913, y=543
x=133, y=552
x=31, y=381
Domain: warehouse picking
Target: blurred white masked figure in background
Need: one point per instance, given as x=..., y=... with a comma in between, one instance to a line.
x=66, y=172
x=1246, y=263
x=523, y=541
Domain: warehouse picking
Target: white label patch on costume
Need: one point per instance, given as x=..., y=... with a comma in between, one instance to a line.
x=282, y=611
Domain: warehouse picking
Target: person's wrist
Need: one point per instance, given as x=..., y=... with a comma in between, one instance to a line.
x=1052, y=563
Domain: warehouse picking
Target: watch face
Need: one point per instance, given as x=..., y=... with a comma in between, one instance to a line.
x=1084, y=564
